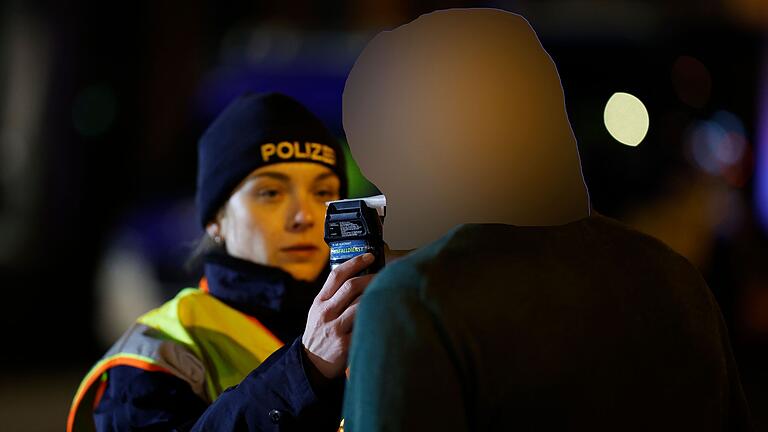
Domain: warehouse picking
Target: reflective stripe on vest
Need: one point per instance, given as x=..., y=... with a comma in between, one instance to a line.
x=195, y=337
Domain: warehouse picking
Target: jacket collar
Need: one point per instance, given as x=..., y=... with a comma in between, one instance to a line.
x=267, y=293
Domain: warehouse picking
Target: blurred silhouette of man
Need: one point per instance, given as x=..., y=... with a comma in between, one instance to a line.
x=520, y=309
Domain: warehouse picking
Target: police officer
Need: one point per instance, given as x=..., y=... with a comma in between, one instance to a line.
x=262, y=343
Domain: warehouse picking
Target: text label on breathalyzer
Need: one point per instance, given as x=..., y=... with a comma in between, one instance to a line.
x=343, y=250
x=351, y=228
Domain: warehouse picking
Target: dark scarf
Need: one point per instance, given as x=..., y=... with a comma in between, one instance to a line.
x=268, y=294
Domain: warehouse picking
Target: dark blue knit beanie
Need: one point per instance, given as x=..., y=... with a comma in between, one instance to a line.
x=257, y=130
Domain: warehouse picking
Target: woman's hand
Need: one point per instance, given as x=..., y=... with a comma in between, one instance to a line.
x=329, y=324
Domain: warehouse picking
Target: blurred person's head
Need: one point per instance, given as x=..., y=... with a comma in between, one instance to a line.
x=459, y=117
x=266, y=168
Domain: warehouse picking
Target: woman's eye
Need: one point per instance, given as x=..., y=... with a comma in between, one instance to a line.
x=326, y=193
x=267, y=193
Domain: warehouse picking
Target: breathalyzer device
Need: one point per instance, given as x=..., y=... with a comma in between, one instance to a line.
x=354, y=227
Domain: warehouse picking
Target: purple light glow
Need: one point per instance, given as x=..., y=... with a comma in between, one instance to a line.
x=761, y=156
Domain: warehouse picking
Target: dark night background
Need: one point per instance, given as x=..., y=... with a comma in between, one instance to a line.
x=101, y=105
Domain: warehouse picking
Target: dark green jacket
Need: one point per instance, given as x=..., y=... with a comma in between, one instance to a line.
x=586, y=326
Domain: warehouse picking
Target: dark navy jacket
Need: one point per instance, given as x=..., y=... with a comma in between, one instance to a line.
x=277, y=395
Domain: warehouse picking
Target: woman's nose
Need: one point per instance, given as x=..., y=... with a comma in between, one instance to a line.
x=301, y=216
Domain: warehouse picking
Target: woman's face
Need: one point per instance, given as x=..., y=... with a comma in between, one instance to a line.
x=276, y=215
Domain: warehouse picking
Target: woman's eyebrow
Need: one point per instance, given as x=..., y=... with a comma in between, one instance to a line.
x=324, y=176
x=270, y=174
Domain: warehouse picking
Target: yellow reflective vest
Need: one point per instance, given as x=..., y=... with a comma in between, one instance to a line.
x=195, y=337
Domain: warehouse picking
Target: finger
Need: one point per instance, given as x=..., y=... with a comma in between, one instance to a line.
x=348, y=292
x=343, y=272
x=347, y=318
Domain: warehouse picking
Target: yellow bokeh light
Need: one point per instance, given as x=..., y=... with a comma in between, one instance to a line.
x=626, y=118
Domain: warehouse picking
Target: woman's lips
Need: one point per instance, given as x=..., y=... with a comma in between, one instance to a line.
x=301, y=247
x=300, y=251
